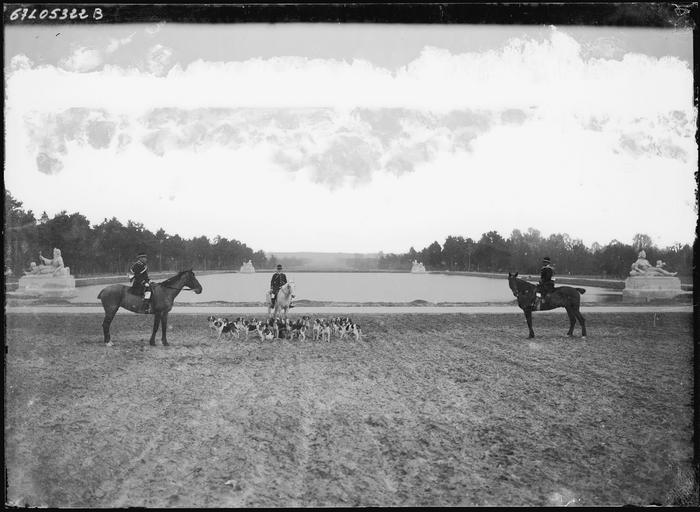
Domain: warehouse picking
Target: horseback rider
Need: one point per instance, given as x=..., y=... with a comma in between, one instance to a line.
x=138, y=273
x=546, y=284
x=277, y=282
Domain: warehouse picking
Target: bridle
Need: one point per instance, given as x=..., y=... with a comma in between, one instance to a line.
x=517, y=292
x=183, y=289
x=175, y=287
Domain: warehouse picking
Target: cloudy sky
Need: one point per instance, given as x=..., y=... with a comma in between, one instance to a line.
x=356, y=138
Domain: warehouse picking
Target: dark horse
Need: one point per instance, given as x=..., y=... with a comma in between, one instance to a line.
x=162, y=296
x=566, y=297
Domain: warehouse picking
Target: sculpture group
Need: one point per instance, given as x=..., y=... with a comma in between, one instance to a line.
x=247, y=267
x=647, y=282
x=51, y=278
x=53, y=266
x=642, y=267
x=417, y=267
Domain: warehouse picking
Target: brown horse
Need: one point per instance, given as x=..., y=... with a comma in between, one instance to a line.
x=162, y=296
x=566, y=297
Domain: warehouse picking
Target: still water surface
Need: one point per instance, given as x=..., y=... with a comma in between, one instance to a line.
x=355, y=287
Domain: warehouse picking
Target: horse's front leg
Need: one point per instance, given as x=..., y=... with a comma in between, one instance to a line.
x=156, y=322
x=528, y=318
x=164, y=328
x=109, y=316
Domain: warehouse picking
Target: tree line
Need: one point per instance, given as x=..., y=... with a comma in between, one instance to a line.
x=523, y=252
x=110, y=247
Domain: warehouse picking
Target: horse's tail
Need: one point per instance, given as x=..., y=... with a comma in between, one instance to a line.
x=581, y=290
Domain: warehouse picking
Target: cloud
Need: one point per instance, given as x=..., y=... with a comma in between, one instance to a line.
x=553, y=74
x=608, y=47
x=115, y=44
x=20, y=62
x=50, y=134
x=514, y=116
x=639, y=144
x=152, y=30
x=82, y=60
x=48, y=165
x=159, y=59
x=336, y=147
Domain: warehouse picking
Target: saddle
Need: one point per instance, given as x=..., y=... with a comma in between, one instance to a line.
x=136, y=292
x=139, y=291
x=543, y=299
x=273, y=300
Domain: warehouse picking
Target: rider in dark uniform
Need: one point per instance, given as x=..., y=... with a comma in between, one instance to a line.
x=277, y=282
x=546, y=284
x=141, y=283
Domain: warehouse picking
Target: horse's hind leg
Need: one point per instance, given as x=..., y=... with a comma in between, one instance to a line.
x=582, y=321
x=572, y=321
x=109, y=316
x=156, y=322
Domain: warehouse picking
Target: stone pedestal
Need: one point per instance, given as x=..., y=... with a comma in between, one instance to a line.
x=47, y=285
x=645, y=288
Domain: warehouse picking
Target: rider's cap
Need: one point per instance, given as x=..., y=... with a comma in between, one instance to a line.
x=547, y=260
x=279, y=267
x=142, y=255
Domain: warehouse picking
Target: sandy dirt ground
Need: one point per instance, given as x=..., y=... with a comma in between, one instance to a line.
x=427, y=410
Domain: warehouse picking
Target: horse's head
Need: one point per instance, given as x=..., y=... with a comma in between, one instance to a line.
x=523, y=291
x=291, y=286
x=512, y=283
x=191, y=281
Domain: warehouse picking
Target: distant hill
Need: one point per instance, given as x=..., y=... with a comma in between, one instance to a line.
x=326, y=260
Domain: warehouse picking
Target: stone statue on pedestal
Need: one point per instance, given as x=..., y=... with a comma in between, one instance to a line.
x=50, y=279
x=417, y=267
x=247, y=266
x=647, y=282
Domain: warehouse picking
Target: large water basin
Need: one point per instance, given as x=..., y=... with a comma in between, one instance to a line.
x=355, y=287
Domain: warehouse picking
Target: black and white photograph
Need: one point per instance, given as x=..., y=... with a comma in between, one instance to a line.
x=349, y=255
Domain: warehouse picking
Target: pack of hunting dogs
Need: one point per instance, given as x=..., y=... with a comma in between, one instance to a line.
x=319, y=329
x=158, y=298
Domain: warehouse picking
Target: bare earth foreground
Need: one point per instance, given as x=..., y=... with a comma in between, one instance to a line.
x=426, y=410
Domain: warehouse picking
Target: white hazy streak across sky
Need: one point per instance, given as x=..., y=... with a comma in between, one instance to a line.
x=291, y=138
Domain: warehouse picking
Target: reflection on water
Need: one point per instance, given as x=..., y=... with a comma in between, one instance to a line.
x=604, y=297
x=357, y=287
